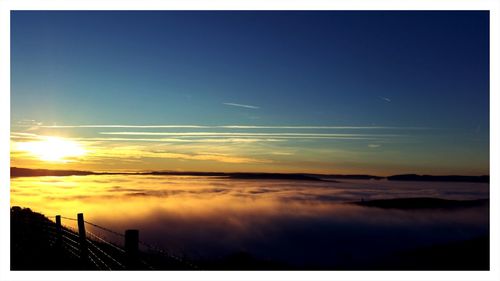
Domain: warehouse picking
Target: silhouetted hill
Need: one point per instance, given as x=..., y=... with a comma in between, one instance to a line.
x=30, y=244
x=470, y=254
x=273, y=176
x=24, y=172
x=35, y=246
x=414, y=177
x=353, y=177
x=32, y=249
x=422, y=203
x=257, y=176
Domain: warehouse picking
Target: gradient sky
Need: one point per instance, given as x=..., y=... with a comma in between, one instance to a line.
x=317, y=91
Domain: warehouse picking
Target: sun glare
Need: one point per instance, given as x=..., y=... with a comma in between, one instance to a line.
x=53, y=149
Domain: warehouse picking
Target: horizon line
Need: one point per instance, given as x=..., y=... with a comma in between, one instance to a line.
x=242, y=172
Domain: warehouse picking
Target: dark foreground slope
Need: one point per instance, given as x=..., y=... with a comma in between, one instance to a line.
x=471, y=254
x=36, y=245
x=31, y=248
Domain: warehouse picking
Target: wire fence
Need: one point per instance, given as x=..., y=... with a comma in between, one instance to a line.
x=97, y=251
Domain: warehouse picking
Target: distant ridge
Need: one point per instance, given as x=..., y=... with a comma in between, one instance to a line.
x=414, y=177
x=276, y=176
x=26, y=172
x=353, y=177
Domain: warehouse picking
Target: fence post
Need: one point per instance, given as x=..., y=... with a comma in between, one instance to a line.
x=83, y=238
x=132, y=248
x=58, y=232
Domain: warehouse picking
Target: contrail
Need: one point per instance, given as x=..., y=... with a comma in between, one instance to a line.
x=241, y=105
x=234, y=127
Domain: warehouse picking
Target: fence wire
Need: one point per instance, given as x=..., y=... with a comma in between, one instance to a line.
x=100, y=252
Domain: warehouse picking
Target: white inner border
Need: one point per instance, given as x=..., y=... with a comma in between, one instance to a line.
x=6, y=6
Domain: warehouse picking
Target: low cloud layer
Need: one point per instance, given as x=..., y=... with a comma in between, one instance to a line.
x=290, y=221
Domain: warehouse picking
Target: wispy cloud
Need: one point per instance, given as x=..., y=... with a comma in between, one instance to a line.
x=284, y=153
x=28, y=124
x=205, y=137
x=225, y=134
x=229, y=139
x=239, y=134
x=203, y=140
x=236, y=127
x=241, y=105
x=385, y=99
x=319, y=127
x=22, y=134
x=99, y=151
x=129, y=126
x=140, y=152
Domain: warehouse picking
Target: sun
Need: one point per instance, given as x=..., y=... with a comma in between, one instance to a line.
x=53, y=149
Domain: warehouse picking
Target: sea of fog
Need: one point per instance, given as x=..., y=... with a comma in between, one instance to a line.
x=301, y=223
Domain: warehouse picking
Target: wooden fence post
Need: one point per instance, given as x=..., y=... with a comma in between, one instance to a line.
x=83, y=238
x=132, y=248
x=58, y=232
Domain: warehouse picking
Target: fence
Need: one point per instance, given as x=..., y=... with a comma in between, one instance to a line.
x=92, y=251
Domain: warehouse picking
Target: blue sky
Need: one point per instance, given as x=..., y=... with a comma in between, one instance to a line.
x=419, y=80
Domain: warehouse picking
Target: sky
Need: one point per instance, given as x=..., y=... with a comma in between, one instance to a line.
x=381, y=93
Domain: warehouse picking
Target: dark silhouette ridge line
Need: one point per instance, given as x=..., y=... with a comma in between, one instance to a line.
x=27, y=172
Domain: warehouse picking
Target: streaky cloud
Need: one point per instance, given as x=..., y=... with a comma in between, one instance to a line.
x=231, y=138
x=237, y=127
x=211, y=140
x=241, y=105
x=241, y=139
x=215, y=134
x=23, y=134
x=143, y=152
x=319, y=127
x=128, y=126
x=283, y=153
